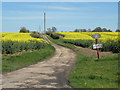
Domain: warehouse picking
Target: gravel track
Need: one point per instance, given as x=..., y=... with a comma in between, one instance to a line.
x=50, y=73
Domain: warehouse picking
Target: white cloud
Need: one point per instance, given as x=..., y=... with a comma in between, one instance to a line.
x=52, y=7
x=25, y=18
x=61, y=8
x=20, y=18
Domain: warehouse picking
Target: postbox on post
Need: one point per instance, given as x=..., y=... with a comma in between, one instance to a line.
x=96, y=45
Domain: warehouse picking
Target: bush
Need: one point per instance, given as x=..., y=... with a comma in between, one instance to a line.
x=53, y=35
x=111, y=46
x=24, y=30
x=34, y=32
x=36, y=35
x=107, y=46
x=82, y=43
x=61, y=35
x=48, y=33
x=10, y=47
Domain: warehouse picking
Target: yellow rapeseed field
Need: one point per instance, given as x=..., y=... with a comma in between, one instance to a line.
x=16, y=42
x=105, y=36
x=20, y=37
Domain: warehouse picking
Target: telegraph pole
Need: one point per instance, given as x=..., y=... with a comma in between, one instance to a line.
x=44, y=23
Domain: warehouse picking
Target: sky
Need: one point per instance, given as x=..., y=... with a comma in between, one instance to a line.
x=65, y=16
x=119, y=15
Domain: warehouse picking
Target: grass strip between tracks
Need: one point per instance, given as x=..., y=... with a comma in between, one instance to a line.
x=90, y=72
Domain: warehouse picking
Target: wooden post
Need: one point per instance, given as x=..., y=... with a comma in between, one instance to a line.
x=96, y=40
x=44, y=23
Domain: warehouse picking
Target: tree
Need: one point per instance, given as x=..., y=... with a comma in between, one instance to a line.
x=35, y=32
x=104, y=30
x=28, y=31
x=54, y=29
x=76, y=30
x=118, y=30
x=49, y=29
x=80, y=30
x=97, y=29
x=24, y=30
x=89, y=30
x=84, y=30
x=109, y=30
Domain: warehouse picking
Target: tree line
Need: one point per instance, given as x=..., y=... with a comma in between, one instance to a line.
x=54, y=29
x=24, y=30
x=97, y=29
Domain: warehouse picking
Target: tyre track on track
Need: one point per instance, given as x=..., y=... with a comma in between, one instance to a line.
x=50, y=73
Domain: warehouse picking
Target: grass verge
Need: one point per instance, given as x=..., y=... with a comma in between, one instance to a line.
x=90, y=72
x=11, y=63
x=59, y=42
x=93, y=73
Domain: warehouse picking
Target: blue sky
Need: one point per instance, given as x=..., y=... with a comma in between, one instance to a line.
x=65, y=16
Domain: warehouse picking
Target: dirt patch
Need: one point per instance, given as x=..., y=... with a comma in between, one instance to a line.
x=18, y=53
x=93, y=53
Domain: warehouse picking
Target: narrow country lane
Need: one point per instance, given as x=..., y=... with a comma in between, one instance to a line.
x=50, y=73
